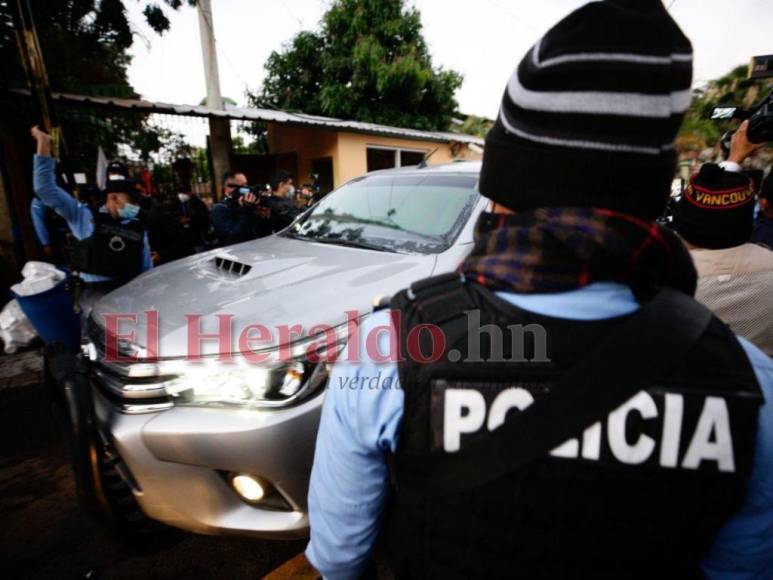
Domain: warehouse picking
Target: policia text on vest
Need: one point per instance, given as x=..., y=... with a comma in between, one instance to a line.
x=651, y=427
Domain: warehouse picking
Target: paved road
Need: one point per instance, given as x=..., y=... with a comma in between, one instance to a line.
x=44, y=535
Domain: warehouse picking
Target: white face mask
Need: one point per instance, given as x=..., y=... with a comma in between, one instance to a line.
x=183, y=197
x=290, y=191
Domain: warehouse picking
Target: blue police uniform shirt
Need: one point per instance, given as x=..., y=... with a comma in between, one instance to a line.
x=361, y=419
x=38, y=214
x=77, y=215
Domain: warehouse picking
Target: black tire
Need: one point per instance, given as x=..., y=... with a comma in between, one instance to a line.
x=104, y=482
x=119, y=509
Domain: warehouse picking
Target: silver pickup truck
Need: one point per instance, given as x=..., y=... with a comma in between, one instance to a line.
x=175, y=422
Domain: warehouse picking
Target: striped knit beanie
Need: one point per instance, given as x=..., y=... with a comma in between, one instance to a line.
x=589, y=116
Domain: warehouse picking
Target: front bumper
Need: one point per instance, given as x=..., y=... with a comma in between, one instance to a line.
x=177, y=458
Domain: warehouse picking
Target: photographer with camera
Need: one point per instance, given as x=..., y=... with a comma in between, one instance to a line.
x=304, y=197
x=715, y=218
x=277, y=210
x=280, y=203
x=235, y=218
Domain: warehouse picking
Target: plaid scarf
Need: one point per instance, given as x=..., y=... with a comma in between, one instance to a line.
x=560, y=249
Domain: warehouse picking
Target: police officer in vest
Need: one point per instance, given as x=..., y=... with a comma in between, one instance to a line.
x=560, y=407
x=111, y=244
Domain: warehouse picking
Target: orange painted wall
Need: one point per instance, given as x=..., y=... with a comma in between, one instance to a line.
x=349, y=150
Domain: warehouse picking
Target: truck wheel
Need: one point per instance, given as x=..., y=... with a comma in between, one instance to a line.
x=103, y=481
x=118, y=508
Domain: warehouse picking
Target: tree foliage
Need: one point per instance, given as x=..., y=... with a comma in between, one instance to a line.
x=475, y=125
x=734, y=88
x=369, y=62
x=85, y=46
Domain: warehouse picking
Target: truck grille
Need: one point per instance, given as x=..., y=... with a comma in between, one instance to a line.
x=136, y=387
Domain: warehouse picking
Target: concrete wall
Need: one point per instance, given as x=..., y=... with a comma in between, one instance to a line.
x=349, y=150
x=352, y=159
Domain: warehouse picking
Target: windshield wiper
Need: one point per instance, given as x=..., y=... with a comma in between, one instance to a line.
x=352, y=244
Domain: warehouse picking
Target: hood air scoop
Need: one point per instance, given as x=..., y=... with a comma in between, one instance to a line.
x=236, y=269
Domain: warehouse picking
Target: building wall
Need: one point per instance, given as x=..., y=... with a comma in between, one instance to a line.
x=352, y=160
x=349, y=150
x=309, y=144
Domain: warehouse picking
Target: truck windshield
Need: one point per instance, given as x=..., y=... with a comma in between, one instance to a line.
x=401, y=213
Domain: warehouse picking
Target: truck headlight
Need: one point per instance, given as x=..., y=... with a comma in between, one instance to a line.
x=266, y=385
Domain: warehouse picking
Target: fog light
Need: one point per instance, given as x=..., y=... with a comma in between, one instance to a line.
x=248, y=487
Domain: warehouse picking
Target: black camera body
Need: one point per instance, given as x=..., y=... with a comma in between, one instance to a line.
x=761, y=121
x=761, y=117
x=260, y=192
x=240, y=191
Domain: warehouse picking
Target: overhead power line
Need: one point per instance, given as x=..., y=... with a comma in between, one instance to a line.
x=514, y=16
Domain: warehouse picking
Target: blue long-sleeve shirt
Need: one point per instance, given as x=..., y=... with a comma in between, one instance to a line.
x=77, y=215
x=361, y=420
x=38, y=214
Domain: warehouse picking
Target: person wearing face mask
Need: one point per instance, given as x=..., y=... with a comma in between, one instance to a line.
x=192, y=215
x=177, y=225
x=235, y=217
x=111, y=244
x=278, y=211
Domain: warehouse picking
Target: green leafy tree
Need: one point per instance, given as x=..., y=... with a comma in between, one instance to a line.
x=85, y=47
x=475, y=125
x=368, y=61
x=734, y=88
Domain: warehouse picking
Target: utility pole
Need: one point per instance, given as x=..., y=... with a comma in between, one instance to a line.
x=219, y=129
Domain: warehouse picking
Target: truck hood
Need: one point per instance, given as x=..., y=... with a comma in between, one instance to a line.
x=274, y=281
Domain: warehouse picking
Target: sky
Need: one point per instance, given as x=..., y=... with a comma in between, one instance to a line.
x=482, y=39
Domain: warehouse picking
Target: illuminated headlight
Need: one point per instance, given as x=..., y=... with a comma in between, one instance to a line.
x=276, y=384
x=262, y=386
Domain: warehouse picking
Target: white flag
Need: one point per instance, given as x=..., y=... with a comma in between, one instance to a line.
x=101, y=169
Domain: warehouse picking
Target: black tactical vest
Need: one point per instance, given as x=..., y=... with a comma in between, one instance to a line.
x=640, y=494
x=114, y=249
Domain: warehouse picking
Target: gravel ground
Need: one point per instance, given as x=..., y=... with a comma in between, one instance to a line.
x=43, y=533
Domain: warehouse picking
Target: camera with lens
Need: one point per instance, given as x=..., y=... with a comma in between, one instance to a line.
x=239, y=191
x=760, y=117
x=260, y=192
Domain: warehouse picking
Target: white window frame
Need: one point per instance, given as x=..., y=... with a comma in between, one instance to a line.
x=398, y=152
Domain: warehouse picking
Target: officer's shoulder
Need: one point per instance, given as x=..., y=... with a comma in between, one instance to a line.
x=381, y=302
x=429, y=288
x=760, y=362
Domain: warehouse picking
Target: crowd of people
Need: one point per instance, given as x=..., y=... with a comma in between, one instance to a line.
x=244, y=214
x=108, y=237
x=643, y=449
x=177, y=224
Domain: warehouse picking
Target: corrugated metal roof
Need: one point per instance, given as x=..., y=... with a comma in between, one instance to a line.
x=252, y=114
